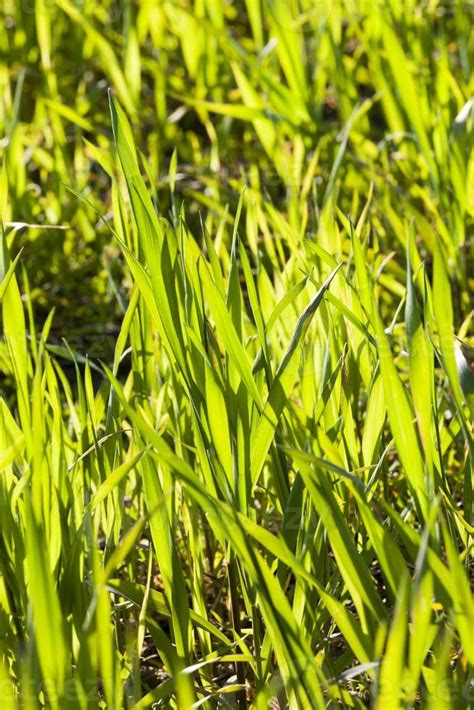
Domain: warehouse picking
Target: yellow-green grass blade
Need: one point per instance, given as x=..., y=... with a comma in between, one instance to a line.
x=283, y=383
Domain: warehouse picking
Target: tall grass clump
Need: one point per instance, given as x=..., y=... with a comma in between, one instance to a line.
x=237, y=387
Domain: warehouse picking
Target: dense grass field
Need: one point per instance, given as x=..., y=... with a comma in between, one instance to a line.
x=236, y=365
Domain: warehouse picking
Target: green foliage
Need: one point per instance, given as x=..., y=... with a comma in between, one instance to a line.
x=261, y=494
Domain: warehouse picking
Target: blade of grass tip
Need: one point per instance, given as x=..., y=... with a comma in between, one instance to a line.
x=119, y=352
x=234, y=293
x=113, y=480
x=228, y=333
x=14, y=327
x=287, y=299
x=285, y=378
x=152, y=240
x=211, y=253
x=172, y=182
x=254, y=302
x=347, y=313
x=5, y=279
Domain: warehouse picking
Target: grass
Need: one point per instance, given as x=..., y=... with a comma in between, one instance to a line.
x=260, y=493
